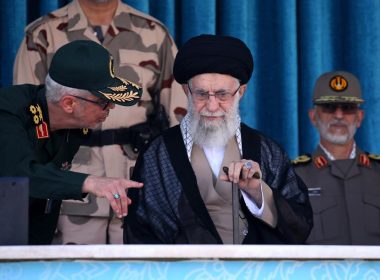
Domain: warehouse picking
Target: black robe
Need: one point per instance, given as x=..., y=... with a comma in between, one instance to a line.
x=169, y=208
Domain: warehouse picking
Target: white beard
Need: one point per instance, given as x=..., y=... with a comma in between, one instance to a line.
x=213, y=133
x=100, y=1
x=340, y=139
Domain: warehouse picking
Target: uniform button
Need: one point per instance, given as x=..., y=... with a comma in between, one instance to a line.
x=245, y=232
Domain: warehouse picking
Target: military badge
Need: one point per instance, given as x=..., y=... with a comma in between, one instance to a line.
x=42, y=129
x=320, y=162
x=301, y=159
x=364, y=160
x=112, y=70
x=338, y=83
x=373, y=156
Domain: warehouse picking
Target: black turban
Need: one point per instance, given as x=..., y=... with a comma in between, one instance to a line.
x=213, y=54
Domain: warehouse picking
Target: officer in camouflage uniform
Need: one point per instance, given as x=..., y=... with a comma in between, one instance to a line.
x=144, y=52
x=343, y=181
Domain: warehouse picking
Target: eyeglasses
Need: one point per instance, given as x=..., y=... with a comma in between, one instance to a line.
x=222, y=96
x=347, y=108
x=102, y=103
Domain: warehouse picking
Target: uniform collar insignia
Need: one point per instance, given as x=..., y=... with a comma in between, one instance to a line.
x=320, y=161
x=42, y=129
x=364, y=160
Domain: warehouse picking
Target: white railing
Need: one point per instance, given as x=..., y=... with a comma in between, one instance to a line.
x=181, y=252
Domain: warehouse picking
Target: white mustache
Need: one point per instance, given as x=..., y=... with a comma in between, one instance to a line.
x=212, y=114
x=336, y=122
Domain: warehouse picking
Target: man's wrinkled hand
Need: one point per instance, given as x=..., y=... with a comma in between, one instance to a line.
x=114, y=189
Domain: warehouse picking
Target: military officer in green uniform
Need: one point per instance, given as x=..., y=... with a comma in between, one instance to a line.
x=43, y=126
x=343, y=180
x=143, y=52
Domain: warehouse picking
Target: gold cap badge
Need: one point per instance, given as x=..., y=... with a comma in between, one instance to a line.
x=338, y=83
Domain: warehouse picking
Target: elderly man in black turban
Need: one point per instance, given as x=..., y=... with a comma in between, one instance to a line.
x=212, y=179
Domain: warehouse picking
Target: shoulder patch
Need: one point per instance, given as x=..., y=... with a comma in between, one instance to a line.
x=301, y=159
x=374, y=157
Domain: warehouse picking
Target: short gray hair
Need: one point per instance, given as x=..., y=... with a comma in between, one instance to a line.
x=55, y=91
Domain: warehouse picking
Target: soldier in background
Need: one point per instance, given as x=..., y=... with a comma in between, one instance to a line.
x=144, y=52
x=343, y=181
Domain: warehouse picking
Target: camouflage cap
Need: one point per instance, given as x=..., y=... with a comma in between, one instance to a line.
x=337, y=87
x=87, y=65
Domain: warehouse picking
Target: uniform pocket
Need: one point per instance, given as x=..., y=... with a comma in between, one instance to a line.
x=326, y=215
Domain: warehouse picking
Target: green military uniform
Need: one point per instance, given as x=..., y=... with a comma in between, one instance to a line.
x=143, y=52
x=35, y=139
x=30, y=150
x=345, y=197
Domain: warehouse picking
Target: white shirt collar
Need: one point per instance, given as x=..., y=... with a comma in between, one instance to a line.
x=331, y=157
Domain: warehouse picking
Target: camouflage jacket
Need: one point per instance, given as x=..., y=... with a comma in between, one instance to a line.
x=143, y=52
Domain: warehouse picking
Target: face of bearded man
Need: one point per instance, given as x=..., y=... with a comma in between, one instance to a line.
x=345, y=134
x=215, y=133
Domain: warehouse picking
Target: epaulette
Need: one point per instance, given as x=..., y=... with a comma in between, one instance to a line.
x=301, y=159
x=374, y=157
